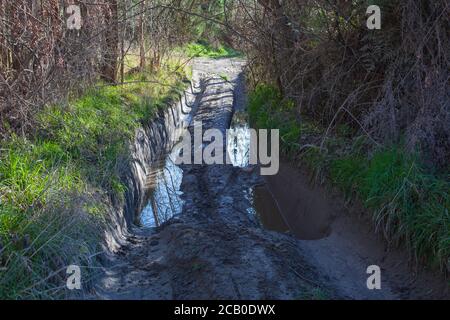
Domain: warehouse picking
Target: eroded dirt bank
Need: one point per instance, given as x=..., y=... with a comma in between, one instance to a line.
x=216, y=248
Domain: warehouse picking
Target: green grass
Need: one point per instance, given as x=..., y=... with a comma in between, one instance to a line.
x=40, y=186
x=94, y=130
x=54, y=185
x=267, y=110
x=204, y=49
x=30, y=174
x=410, y=205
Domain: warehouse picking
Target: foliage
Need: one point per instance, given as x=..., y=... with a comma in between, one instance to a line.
x=393, y=81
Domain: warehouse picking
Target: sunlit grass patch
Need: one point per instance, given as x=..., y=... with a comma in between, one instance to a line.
x=267, y=110
x=204, y=49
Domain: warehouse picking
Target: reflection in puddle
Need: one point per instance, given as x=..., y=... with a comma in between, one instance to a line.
x=238, y=140
x=267, y=210
x=165, y=195
x=280, y=207
x=289, y=203
x=263, y=205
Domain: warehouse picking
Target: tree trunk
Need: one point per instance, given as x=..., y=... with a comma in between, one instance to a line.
x=142, y=61
x=122, y=43
x=3, y=41
x=109, y=69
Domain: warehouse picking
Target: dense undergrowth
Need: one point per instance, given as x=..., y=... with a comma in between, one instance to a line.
x=56, y=184
x=410, y=204
x=394, y=82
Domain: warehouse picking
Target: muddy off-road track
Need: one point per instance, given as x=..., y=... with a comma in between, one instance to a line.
x=215, y=249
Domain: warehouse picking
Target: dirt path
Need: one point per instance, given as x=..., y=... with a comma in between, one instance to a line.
x=213, y=250
x=216, y=249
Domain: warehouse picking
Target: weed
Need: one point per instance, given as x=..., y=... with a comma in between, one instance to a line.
x=268, y=111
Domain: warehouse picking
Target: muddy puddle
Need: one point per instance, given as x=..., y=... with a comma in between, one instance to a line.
x=285, y=203
x=266, y=209
x=307, y=215
x=164, y=191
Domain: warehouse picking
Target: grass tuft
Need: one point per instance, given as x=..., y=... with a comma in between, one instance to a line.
x=409, y=204
x=267, y=110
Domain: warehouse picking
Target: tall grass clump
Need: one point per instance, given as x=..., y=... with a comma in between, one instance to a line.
x=45, y=223
x=410, y=205
x=267, y=110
